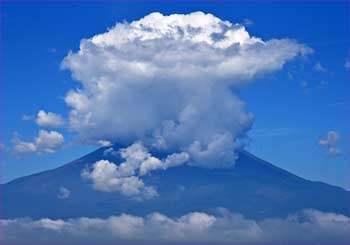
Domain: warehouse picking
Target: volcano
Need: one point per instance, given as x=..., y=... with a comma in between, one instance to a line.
x=254, y=188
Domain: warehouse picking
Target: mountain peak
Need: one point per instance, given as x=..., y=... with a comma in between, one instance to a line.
x=254, y=187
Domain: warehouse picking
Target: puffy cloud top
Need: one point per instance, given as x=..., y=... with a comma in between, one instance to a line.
x=45, y=142
x=168, y=80
x=196, y=27
x=49, y=119
x=125, y=177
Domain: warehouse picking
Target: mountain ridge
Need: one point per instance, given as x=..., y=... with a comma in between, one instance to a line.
x=254, y=188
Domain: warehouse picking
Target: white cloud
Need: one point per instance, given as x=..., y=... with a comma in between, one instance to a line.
x=176, y=159
x=107, y=176
x=24, y=147
x=347, y=64
x=52, y=50
x=322, y=84
x=304, y=84
x=110, y=152
x=64, y=193
x=104, y=143
x=45, y=142
x=167, y=81
x=330, y=142
x=218, y=153
x=248, y=22
x=49, y=119
x=305, y=87
x=308, y=226
x=126, y=176
x=28, y=117
x=320, y=68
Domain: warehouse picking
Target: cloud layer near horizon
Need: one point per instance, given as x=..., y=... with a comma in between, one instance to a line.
x=168, y=80
x=308, y=226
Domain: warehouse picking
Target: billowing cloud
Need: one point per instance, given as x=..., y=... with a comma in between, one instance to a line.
x=330, y=142
x=49, y=119
x=168, y=81
x=125, y=177
x=107, y=176
x=64, y=193
x=45, y=142
x=308, y=226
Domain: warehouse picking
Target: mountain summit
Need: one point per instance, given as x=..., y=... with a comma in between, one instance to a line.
x=254, y=188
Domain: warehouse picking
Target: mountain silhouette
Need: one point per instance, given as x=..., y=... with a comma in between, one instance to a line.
x=254, y=188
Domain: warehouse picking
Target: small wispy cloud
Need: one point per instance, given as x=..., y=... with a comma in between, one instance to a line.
x=320, y=68
x=304, y=84
x=3, y=148
x=272, y=132
x=248, y=22
x=347, y=64
x=104, y=143
x=64, y=193
x=330, y=143
x=52, y=50
x=322, y=84
x=340, y=103
x=26, y=117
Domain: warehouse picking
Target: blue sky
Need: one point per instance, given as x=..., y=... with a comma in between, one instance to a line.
x=293, y=108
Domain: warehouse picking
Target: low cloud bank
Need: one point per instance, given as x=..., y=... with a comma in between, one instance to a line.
x=307, y=226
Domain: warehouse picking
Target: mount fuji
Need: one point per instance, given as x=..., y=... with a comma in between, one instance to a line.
x=254, y=188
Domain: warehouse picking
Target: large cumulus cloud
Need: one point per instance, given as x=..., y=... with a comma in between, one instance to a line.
x=308, y=226
x=168, y=81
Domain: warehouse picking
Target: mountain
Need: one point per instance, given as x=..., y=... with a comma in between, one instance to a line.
x=254, y=188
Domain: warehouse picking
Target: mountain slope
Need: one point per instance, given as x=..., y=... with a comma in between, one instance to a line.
x=254, y=188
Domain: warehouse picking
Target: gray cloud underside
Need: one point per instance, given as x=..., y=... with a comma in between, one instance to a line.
x=308, y=226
